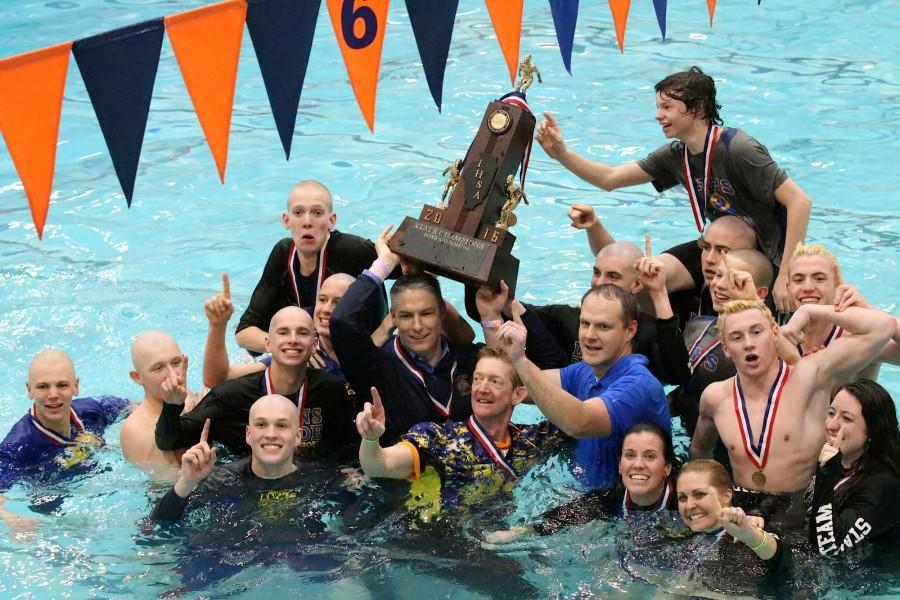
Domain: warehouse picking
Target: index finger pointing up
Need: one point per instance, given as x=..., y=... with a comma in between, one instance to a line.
x=204, y=435
x=647, y=250
x=226, y=286
x=839, y=438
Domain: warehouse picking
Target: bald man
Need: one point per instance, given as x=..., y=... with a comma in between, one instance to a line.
x=272, y=433
x=58, y=434
x=155, y=356
x=688, y=268
x=298, y=265
x=327, y=412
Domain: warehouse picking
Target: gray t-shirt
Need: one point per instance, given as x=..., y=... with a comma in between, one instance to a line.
x=742, y=182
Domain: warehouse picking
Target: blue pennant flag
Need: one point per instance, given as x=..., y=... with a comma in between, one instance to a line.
x=119, y=68
x=432, y=22
x=282, y=34
x=660, y=6
x=565, y=13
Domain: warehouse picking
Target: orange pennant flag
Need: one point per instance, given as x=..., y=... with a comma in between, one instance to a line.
x=31, y=93
x=207, y=45
x=506, y=15
x=711, y=6
x=359, y=27
x=619, y=10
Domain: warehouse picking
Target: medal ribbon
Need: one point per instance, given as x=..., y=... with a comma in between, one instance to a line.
x=518, y=99
x=293, y=268
x=406, y=361
x=759, y=453
x=55, y=437
x=835, y=333
x=298, y=397
x=663, y=501
x=693, y=360
x=709, y=146
x=482, y=437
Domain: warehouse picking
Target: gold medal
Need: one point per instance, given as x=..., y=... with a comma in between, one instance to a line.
x=758, y=477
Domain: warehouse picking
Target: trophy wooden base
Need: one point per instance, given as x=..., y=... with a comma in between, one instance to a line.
x=482, y=260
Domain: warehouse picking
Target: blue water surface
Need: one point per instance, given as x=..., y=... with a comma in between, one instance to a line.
x=817, y=82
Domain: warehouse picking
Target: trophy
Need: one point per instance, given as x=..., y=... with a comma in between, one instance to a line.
x=467, y=238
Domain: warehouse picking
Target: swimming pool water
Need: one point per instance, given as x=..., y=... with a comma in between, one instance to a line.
x=816, y=82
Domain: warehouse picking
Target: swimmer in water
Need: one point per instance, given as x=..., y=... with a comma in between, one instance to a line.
x=326, y=408
x=272, y=434
x=56, y=438
x=646, y=485
x=858, y=478
x=487, y=450
x=774, y=440
x=156, y=357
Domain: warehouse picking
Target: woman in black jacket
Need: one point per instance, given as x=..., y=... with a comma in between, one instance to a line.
x=858, y=480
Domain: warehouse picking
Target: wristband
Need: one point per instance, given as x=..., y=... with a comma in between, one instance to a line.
x=492, y=324
x=764, y=541
x=381, y=269
x=371, y=441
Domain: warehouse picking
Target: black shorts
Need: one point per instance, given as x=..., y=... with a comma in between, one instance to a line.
x=786, y=512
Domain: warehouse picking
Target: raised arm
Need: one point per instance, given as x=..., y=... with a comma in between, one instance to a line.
x=667, y=354
x=218, y=311
x=870, y=331
x=394, y=462
x=175, y=429
x=798, y=206
x=549, y=135
x=582, y=216
x=576, y=418
x=196, y=465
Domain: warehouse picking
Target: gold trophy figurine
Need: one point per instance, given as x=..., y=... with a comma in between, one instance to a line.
x=514, y=195
x=453, y=169
x=527, y=71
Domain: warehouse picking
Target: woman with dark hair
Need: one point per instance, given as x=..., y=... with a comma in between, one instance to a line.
x=647, y=485
x=858, y=481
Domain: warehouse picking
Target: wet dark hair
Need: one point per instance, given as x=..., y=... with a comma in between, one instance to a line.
x=696, y=89
x=419, y=281
x=662, y=434
x=626, y=300
x=882, y=449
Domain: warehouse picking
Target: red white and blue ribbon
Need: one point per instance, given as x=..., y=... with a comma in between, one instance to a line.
x=836, y=332
x=482, y=437
x=758, y=452
x=709, y=146
x=293, y=268
x=52, y=435
x=661, y=505
x=517, y=98
x=693, y=360
x=298, y=397
x=407, y=361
